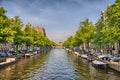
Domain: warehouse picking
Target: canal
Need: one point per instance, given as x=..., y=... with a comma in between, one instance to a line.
x=56, y=64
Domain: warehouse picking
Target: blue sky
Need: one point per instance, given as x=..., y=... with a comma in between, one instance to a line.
x=60, y=18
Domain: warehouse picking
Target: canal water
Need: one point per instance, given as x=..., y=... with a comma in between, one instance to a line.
x=56, y=65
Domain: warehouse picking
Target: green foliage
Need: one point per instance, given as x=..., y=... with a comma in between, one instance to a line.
x=6, y=33
x=111, y=35
x=28, y=38
x=85, y=32
x=2, y=12
x=17, y=27
x=113, y=15
x=69, y=42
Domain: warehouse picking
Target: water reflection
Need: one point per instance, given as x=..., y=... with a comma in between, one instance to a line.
x=23, y=69
x=56, y=65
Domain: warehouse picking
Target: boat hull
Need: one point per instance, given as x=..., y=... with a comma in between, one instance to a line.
x=5, y=64
x=99, y=65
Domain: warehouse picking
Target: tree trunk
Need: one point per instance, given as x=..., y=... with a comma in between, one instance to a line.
x=88, y=47
x=119, y=47
x=17, y=47
x=116, y=49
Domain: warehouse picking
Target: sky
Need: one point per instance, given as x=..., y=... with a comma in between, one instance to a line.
x=60, y=18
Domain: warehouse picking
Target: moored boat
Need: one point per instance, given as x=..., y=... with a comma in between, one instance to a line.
x=77, y=53
x=8, y=62
x=28, y=55
x=99, y=64
x=84, y=56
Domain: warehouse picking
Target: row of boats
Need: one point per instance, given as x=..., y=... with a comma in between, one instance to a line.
x=98, y=60
x=6, y=61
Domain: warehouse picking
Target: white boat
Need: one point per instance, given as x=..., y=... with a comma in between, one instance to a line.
x=84, y=56
x=77, y=53
x=102, y=56
x=8, y=62
x=35, y=53
x=99, y=64
x=28, y=54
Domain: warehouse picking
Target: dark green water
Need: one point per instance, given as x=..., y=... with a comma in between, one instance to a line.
x=56, y=65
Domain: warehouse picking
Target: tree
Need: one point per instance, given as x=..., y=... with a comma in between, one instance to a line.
x=17, y=26
x=84, y=35
x=113, y=15
x=28, y=38
x=69, y=42
x=6, y=33
x=2, y=12
x=112, y=21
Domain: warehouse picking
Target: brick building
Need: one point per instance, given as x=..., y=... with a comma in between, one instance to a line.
x=40, y=29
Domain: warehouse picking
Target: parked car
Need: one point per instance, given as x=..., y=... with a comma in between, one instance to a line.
x=30, y=50
x=3, y=54
x=38, y=51
x=13, y=52
x=115, y=59
x=23, y=51
x=9, y=53
x=96, y=54
x=102, y=56
x=35, y=52
x=78, y=50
